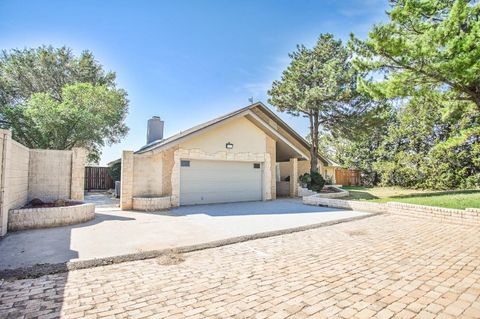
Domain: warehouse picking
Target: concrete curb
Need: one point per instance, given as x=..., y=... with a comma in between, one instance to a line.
x=48, y=269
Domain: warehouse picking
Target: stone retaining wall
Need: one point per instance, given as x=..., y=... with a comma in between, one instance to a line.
x=150, y=204
x=341, y=203
x=30, y=218
x=468, y=216
x=457, y=216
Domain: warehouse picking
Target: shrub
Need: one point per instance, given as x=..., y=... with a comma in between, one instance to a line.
x=313, y=181
x=115, y=171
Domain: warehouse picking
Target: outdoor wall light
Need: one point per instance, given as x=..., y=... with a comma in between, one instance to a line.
x=229, y=145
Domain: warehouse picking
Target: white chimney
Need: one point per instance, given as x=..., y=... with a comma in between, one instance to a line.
x=154, y=129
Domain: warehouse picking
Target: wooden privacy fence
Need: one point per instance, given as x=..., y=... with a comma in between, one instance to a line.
x=96, y=177
x=347, y=177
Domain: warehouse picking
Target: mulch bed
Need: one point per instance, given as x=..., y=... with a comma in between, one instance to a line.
x=51, y=204
x=329, y=190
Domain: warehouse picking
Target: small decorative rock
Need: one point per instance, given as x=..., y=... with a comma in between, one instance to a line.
x=59, y=203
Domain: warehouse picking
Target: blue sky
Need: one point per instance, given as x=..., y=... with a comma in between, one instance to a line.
x=186, y=61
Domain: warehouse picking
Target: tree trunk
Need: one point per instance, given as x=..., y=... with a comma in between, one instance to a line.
x=313, y=117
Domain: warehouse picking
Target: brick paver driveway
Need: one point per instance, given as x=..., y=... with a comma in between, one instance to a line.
x=383, y=266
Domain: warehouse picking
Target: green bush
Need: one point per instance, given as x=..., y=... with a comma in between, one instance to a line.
x=115, y=171
x=313, y=181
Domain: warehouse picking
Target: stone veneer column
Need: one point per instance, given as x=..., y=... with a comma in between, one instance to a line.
x=271, y=150
x=77, y=183
x=293, y=177
x=126, y=188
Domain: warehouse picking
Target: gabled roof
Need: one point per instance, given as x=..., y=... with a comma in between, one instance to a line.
x=174, y=139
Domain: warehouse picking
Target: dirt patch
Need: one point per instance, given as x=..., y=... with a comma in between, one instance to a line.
x=358, y=232
x=57, y=203
x=173, y=258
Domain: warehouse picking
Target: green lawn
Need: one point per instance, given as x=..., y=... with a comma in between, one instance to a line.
x=450, y=199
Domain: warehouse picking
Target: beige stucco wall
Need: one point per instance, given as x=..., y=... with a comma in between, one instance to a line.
x=302, y=166
x=243, y=134
x=330, y=171
x=29, y=173
x=147, y=174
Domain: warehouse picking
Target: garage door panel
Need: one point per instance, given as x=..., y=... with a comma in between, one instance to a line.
x=205, y=182
x=238, y=180
x=213, y=187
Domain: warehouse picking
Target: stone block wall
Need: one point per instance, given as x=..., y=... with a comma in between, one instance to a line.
x=469, y=216
x=455, y=216
x=49, y=176
x=14, y=163
x=347, y=204
x=126, y=188
x=147, y=175
x=150, y=204
x=17, y=176
x=31, y=173
x=79, y=158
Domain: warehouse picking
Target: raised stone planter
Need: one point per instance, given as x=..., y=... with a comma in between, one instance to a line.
x=304, y=193
x=150, y=204
x=30, y=218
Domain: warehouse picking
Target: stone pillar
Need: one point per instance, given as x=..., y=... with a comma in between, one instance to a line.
x=77, y=183
x=5, y=139
x=126, y=188
x=271, y=150
x=293, y=177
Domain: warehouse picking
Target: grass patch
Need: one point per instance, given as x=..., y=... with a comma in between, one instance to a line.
x=451, y=199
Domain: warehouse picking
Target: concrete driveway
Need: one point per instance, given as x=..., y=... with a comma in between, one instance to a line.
x=114, y=232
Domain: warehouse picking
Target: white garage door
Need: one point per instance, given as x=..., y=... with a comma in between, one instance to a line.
x=203, y=182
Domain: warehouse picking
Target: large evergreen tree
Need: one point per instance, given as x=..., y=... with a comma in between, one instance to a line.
x=426, y=59
x=317, y=84
x=426, y=46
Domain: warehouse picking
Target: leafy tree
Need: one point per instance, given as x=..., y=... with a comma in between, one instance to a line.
x=52, y=99
x=427, y=46
x=317, y=84
x=428, y=149
x=357, y=147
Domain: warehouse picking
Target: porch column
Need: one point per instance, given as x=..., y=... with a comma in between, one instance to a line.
x=293, y=177
x=126, y=187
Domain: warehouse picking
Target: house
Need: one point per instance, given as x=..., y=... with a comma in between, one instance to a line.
x=246, y=155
